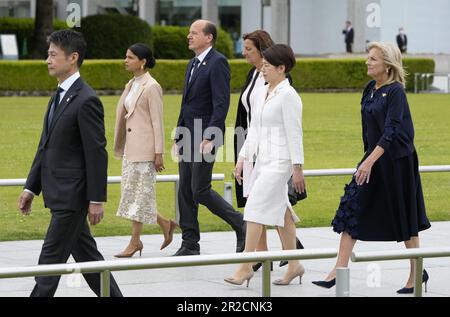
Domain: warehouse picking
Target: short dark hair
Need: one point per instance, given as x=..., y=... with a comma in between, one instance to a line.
x=210, y=28
x=70, y=42
x=142, y=51
x=260, y=38
x=280, y=54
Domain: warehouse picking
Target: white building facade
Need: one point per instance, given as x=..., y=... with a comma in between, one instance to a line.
x=311, y=27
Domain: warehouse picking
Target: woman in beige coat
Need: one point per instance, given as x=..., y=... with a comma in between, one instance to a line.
x=139, y=142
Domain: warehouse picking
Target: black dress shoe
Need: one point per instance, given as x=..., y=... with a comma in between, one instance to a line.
x=410, y=290
x=298, y=245
x=258, y=265
x=185, y=251
x=326, y=284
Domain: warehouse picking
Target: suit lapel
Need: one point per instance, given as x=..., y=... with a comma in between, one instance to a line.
x=201, y=68
x=186, y=78
x=46, y=127
x=137, y=95
x=68, y=98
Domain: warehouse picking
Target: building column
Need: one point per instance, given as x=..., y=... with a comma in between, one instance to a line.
x=147, y=11
x=356, y=13
x=280, y=21
x=33, y=9
x=61, y=9
x=210, y=11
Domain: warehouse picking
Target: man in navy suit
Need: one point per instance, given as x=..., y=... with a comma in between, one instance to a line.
x=349, y=36
x=70, y=166
x=200, y=132
x=402, y=40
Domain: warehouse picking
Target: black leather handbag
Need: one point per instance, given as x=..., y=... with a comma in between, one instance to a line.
x=295, y=196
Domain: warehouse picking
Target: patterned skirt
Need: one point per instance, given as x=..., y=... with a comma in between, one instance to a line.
x=138, y=194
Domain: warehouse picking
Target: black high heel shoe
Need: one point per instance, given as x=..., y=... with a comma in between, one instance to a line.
x=410, y=290
x=298, y=245
x=326, y=284
x=258, y=265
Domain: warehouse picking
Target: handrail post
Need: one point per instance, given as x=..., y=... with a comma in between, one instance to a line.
x=177, y=207
x=342, y=282
x=266, y=279
x=415, y=82
x=228, y=192
x=105, y=283
x=418, y=277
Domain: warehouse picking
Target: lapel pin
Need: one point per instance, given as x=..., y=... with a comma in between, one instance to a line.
x=204, y=64
x=384, y=95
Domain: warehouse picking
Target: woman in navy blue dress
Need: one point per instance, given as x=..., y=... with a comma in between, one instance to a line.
x=384, y=200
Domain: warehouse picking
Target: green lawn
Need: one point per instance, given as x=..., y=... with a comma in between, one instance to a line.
x=332, y=138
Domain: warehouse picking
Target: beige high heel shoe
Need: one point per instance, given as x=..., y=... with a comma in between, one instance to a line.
x=247, y=277
x=287, y=280
x=130, y=253
x=168, y=233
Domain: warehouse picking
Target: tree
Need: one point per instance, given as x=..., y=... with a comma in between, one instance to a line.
x=43, y=28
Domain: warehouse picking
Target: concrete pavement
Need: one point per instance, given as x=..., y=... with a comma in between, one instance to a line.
x=207, y=281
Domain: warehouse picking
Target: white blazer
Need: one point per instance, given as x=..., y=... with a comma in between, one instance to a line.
x=275, y=132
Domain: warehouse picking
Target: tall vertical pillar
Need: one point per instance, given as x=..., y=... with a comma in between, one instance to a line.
x=356, y=13
x=280, y=21
x=210, y=11
x=147, y=11
x=33, y=9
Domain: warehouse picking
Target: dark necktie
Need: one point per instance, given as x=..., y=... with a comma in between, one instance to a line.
x=55, y=104
x=194, y=67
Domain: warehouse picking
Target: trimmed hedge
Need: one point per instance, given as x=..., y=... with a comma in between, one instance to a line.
x=170, y=42
x=309, y=75
x=110, y=35
x=24, y=30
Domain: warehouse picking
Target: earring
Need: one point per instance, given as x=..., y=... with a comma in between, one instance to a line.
x=142, y=67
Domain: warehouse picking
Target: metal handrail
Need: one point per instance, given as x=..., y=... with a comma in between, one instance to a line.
x=219, y=177
x=417, y=253
x=105, y=267
x=424, y=79
x=117, y=179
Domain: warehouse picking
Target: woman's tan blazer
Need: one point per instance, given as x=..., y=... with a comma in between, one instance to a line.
x=139, y=133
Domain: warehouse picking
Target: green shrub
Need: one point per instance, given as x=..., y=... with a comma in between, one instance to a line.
x=23, y=28
x=109, y=35
x=316, y=74
x=310, y=74
x=170, y=42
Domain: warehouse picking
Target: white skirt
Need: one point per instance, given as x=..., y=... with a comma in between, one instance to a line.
x=268, y=200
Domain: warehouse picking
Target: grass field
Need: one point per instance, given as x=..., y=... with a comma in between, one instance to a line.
x=332, y=139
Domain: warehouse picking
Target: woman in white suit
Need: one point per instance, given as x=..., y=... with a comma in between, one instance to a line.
x=275, y=137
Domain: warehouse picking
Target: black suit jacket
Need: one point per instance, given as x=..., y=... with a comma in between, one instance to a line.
x=402, y=42
x=349, y=36
x=207, y=98
x=70, y=166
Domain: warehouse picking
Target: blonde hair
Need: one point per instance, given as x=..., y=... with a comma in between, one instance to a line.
x=393, y=59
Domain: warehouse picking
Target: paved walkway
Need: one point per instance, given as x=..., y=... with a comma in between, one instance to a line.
x=208, y=281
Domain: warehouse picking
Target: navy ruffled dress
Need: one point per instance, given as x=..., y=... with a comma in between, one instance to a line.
x=391, y=207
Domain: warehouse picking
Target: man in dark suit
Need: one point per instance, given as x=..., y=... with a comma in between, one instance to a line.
x=349, y=36
x=402, y=40
x=70, y=166
x=200, y=131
